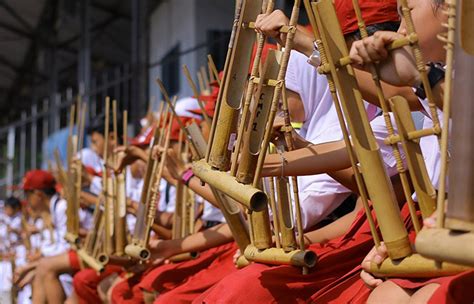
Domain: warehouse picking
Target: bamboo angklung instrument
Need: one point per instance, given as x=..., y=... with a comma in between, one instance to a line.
x=137, y=249
x=250, y=149
x=183, y=216
x=336, y=65
x=228, y=206
x=455, y=224
x=118, y=186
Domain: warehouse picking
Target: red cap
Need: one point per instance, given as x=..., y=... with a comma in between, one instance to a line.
x=209, y=103
x=266, y=48
x=214, y=82
x=38, y=180
x=373, y=12
x=145, y=137
x=175, y=126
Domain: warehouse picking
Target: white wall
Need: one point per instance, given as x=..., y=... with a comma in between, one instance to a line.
x=186, y=22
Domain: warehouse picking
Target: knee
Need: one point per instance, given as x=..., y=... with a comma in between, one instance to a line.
x=388, y=293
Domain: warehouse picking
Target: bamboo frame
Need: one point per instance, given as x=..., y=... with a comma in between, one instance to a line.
x=455, y=224
x=371, y=165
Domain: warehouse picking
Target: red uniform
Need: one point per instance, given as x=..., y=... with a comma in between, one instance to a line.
x=195, y=285
x=165, y=277
x=265, y=284
x=86, y=281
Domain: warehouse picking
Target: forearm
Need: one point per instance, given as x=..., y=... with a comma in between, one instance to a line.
x=369, y=91
x=314, y=159
x=303, y=42
x=203, y=191
x=209, y=238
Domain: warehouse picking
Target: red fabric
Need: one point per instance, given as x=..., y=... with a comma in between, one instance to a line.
x=456, y=289
x=222, y=266
x=164, y=278
x=175, y=128
x=38, y=180
x=266, y=48
x=265, y=284
x=144, y=138
x=74, y=260
x=85, y=283
x=209, y=103
x=373, y=12
x=348, y=289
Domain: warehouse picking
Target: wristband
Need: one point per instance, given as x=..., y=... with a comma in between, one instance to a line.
x=435, y=75
x=186, y=177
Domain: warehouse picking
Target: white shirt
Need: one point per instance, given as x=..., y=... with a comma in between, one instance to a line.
x=430, y=146
x=319, y=194
x=58, y=207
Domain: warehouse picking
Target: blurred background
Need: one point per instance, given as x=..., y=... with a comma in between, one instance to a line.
x=51, y=51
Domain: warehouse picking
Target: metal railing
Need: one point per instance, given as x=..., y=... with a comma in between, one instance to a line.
x=28, y=143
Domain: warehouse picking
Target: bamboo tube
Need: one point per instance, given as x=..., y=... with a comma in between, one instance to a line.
x=378, y=185
x=420, y=63
x=425, y=191
x=460, y=210
x=250, y=91
x=277, y=256
x=276, y=223
x=90, y=261
x=249, y=196
x=252, y=136
x=354, y=163
x=235, y=28
x=184, y=257
x=446, y=245
x=466, y=26
x=116, y=260
x=205, y=76
x=226, y=124
x=213, y=70
x=388, y=123
x=138, y=252
x=284, y=215
x=229, y=208
x=415, y=266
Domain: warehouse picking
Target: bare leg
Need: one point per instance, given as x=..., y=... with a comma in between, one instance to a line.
x=46, y=286
x=423, y=294
x=389, y=293
x=72, y=299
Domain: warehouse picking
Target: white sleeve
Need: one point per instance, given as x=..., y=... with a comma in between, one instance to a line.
x=59, y=245
x=292, y=77
x=96, y=185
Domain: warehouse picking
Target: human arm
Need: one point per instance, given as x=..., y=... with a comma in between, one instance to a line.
x=197, y=242
x=314, y=159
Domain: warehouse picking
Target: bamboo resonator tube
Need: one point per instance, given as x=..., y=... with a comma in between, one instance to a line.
x=253, y=198
x=366, y=148
x=278, y=256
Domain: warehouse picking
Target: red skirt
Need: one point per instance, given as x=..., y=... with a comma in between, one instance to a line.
x=195, y=285
x=286, y=284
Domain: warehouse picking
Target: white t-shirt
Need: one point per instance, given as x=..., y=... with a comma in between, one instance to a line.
x=58, y=207
x=319, y=194
x=430, y=146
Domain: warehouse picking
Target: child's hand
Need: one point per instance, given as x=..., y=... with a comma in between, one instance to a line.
x=377, y=255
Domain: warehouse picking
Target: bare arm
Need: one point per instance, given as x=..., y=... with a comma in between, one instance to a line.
x=314, y=159
x=196, y=242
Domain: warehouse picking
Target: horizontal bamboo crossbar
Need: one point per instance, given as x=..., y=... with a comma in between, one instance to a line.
x=277, y=256
x=137, y=252
x=184, y=257
x=124, y=261
x=446, y=245
x=72, y=238
x=252, y=198
x=415, y=266
x=90, y=261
